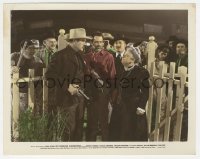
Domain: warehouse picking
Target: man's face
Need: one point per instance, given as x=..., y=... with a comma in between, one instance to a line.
x=120, y=45
x=98, y=43
x=30, y=51
x=50, y=44
x=79, y=44
x=181, y=49
x=171, y=43
x=162, y=55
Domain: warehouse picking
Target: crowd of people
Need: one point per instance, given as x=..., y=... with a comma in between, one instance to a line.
x=101, y=74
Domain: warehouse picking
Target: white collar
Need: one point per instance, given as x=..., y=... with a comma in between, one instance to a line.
x=117, y=53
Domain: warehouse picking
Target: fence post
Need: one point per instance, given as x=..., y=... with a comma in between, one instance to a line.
x=15, y=106
x=45, y=92
x=150, y=101
x=169, y=101
x=159, y=99
x=182, y=71
x=31, y=90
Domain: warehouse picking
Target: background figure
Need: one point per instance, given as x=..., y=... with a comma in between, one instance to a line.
x=28, y=61
x=171, y=42
x=67, y=66
x=50, y=47
x=182, y=53
x=143, y=50
x=99, y=65
x=134, y=96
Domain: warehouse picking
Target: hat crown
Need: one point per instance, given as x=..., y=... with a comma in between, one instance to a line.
x=77, y=33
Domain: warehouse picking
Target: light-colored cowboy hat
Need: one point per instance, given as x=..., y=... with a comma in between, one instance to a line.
x=107, y=36
x=78, y=33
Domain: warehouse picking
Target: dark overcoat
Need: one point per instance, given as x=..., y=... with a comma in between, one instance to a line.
x=66, y=67
x=134, y=93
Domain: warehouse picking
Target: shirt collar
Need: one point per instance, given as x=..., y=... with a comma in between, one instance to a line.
x=122, y=54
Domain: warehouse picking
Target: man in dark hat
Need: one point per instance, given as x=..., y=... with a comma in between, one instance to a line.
x=23, y=61
x=120, y=43
x=50, y=47
x=171, y=42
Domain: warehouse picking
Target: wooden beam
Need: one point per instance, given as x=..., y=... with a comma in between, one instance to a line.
x=169, y=101
x=15, y=106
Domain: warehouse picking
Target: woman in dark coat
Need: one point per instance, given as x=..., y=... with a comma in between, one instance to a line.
x=134, y=93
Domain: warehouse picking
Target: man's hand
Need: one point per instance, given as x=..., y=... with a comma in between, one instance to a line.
x=14, y=69
x=140, y=111
x=73, y=89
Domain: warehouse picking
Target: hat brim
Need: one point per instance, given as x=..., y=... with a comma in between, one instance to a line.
x=124, y=39
x=89, y=38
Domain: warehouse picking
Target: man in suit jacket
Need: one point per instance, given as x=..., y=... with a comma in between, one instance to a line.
x=66, y=72
x=120, y=42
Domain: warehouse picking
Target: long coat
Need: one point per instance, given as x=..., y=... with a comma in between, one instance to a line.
x=65, y=66
x=134, y=94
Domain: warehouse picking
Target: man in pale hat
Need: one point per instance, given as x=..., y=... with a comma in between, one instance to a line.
x=67, y=67
x=49, y=47
x=108, y=38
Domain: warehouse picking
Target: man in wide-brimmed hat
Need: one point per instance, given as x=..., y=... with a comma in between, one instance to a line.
x=66, y=69
x=108, y=38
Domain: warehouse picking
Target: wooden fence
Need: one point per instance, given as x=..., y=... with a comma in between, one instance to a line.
x=173, y=86
x=171, y=83
x=31, y=91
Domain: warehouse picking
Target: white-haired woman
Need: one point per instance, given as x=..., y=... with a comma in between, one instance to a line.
x=134, y=93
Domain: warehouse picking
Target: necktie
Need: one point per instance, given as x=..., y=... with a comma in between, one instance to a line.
x=118, y=58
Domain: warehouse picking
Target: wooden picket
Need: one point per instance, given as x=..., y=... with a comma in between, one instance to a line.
x=159, y=100
x=150, y=101
x=182, y=71
x=169, y=101
x=45, y=93
x=15, y=105
x=31, y=89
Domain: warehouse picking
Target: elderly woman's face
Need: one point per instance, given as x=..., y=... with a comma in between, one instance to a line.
x=128, y=58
